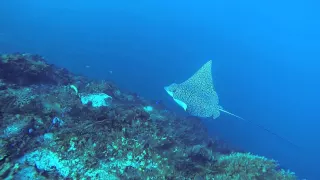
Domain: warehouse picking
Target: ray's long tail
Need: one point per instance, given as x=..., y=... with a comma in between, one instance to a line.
x=227, y=112
x=260, y=126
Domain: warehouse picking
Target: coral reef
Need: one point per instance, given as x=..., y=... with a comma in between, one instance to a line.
x=57, y=125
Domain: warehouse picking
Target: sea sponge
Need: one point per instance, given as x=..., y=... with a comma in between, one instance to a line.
x=96, y=99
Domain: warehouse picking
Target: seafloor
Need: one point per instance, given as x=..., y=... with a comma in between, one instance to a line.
x=58, y=125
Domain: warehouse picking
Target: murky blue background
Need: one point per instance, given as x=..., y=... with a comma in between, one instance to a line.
x=265, y=56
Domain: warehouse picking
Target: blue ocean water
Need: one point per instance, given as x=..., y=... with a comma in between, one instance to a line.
x=265, y=59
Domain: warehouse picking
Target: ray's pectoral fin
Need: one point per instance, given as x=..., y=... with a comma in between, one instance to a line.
x=181, y=103
x=227, y=112
x=166, y=88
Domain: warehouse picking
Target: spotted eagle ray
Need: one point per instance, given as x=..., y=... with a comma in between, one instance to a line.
x=198, y=97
